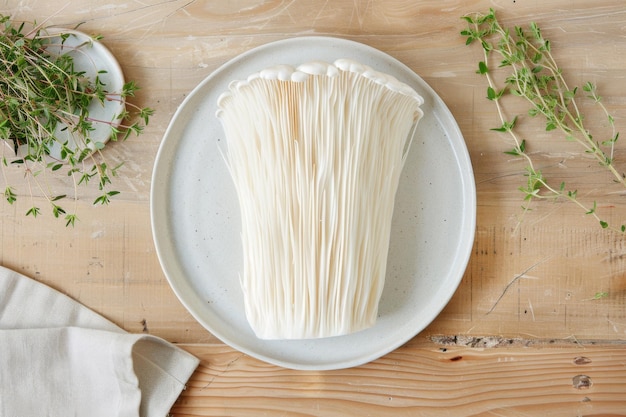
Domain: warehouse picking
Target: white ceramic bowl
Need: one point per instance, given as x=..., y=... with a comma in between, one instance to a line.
x=95, y=60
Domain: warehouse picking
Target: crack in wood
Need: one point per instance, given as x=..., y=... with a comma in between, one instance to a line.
x=500, y=342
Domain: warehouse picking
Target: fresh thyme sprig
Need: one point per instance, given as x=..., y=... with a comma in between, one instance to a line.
x=536, y=77
x=42, y=93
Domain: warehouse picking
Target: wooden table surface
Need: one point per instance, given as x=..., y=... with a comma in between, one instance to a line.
x=524, y=334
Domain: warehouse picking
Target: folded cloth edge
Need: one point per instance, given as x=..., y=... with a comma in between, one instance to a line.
x=153, y=356
x=162, y=369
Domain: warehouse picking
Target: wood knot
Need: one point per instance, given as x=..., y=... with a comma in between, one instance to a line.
x=581, y=382
x=581, y=360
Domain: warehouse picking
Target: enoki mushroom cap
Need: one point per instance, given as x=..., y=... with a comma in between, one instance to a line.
x=302, y=72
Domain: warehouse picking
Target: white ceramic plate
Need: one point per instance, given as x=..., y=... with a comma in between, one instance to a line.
x=195, y=217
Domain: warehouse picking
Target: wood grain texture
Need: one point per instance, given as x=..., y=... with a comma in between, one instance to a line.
x=533, y=279
x=419, y=379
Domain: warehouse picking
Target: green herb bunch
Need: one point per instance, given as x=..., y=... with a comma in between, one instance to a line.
x=41, y=94
x=536, y=77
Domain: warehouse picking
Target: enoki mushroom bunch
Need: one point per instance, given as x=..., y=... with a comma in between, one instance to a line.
x=315, y=154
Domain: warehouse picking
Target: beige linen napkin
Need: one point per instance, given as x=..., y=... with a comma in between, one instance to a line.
x=58, y=358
